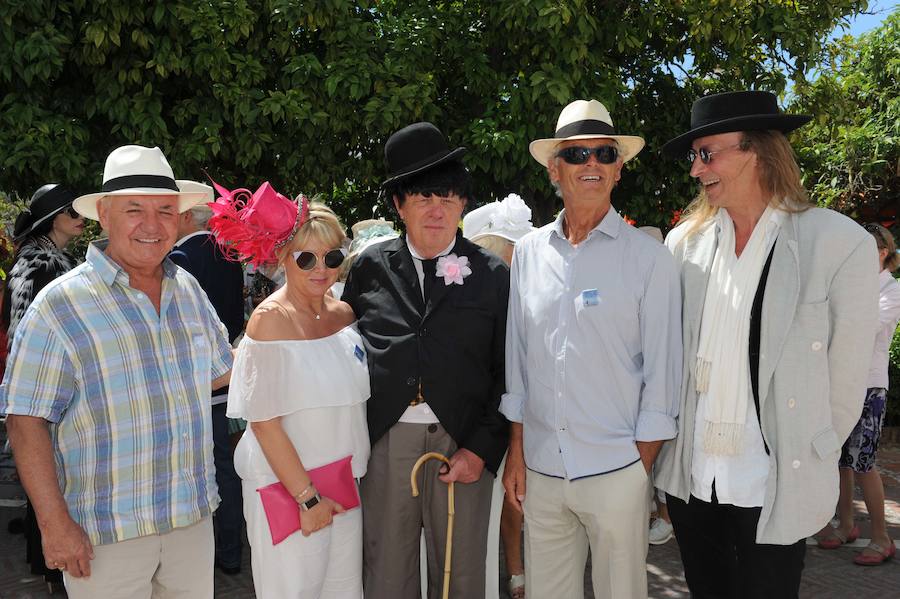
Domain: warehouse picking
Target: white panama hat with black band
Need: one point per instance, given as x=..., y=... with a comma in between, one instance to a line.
x=585, y=119
x=138, y=170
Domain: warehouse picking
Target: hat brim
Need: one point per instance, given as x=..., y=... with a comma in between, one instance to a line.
x=452, y=155
x=86, y=205
x=754, y=122
x=35, y=224
x=542, y=150
x=513, y=237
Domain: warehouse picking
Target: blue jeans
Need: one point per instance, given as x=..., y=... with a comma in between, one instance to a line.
x=229, y=518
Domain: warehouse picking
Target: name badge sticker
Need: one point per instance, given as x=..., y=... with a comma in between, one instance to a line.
x=359, y=353
x=590, y=297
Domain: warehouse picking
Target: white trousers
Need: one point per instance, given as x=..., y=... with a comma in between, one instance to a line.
x=325, y=565
x=607, y=512
x=173, y=565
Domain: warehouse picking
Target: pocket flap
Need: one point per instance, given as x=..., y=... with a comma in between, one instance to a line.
x=826, y=443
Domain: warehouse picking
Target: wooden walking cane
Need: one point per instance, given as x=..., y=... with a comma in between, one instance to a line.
x=450, y=511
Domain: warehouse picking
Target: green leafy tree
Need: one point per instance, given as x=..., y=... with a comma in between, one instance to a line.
x=305, y=92
x=851, y=152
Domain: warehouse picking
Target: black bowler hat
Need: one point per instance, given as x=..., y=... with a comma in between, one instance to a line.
x=734, y=111
x=48, y=201
x=415, y=149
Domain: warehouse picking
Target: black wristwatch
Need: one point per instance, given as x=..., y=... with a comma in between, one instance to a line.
x=311, y=502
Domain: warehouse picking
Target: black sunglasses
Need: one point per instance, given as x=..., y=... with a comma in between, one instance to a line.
x=331, y=259
x=580, y=154
x=875, y=230
x=72, y=212
x=705, y=155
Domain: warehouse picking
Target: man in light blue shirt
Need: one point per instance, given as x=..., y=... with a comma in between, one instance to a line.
x=593, y=369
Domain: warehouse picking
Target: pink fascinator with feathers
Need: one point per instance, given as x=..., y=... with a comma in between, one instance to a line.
x=251, y=227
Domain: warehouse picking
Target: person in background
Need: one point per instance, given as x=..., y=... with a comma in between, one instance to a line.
x=301, y=382
x=857, y=462
x=780, y=301
x=223, y=281
x=42, y=232
x=107, y=398
x=497, y=227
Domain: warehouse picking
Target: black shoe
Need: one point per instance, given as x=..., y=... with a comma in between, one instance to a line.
x=229, y=570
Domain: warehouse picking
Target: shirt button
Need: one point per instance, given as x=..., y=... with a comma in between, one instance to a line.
x=432, y=428
x=795, y=464
x=791, y=403
x=411, y=381
x=816, y=345
x=423, y=332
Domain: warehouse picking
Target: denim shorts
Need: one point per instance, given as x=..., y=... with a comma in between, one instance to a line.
x=859, y=449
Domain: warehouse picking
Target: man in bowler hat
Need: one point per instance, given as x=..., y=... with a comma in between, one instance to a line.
x=432, y=311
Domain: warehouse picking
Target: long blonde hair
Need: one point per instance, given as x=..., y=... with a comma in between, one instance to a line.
x=779, y=177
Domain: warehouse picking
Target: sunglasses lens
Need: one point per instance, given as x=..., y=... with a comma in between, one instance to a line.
x=691, y=156
x=575, y=155
x=306, y=260
x=72, y=212
x=606, y=154
x=334, y=258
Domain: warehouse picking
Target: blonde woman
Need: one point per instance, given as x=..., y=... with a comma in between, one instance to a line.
x=301, y=381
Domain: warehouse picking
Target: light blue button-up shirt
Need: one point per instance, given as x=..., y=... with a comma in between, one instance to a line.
x=593, y=347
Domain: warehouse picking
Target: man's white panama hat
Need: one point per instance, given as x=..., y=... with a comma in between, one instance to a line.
x=585, y=119
x=138, y=170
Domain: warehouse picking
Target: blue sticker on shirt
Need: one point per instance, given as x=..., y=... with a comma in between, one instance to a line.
x=359, y=353
x=590, y=297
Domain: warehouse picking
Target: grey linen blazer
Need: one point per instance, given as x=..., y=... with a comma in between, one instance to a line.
x=819, y=317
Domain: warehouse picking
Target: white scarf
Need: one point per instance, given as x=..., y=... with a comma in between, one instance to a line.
x=722, y=368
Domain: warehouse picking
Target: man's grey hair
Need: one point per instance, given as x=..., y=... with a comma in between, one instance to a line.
x=200, y=215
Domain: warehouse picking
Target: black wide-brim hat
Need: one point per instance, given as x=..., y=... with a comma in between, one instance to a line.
x=734, y=111
x=415, y=149
x=48, y=201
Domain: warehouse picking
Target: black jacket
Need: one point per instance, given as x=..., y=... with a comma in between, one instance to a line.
x=454, y=346
x=221, y=279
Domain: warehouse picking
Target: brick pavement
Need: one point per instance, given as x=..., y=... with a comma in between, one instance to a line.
x=828, y=574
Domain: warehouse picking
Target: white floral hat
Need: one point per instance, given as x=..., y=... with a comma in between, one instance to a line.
x=509, y=219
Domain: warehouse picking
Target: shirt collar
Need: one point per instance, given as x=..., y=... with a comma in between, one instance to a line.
x=107, y=269
x=609, y=225
x=190, y=235
x=418, y=256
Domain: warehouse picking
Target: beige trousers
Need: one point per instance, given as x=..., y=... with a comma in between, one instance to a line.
x=173, y=565
x=608, y=513
x=393, y=520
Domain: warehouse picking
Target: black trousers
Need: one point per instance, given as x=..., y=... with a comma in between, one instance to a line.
x=721, y=557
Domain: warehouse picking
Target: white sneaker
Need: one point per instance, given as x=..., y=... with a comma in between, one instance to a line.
x=660, y=532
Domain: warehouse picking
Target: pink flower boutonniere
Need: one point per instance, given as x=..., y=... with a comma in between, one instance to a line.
x=453, y=268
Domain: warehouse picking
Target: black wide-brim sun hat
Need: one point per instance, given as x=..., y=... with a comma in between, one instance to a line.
x=734, y=111
x=415, y=149
x=48, y=201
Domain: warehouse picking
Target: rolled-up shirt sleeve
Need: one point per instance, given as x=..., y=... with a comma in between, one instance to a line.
x=512, y=403
x=39, y=379
x=662, y=351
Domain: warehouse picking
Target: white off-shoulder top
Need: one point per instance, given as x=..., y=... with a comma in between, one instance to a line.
x=318, y=388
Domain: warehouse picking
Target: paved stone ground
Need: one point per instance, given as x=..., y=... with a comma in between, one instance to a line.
x=828, y=574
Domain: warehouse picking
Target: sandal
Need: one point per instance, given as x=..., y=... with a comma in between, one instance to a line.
x=836, y=538
x=517, y=586
x=875, y=560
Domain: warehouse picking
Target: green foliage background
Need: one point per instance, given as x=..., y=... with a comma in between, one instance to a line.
x=304, y=93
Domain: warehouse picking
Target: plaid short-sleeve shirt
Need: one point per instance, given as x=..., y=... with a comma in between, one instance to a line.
x=126, y=391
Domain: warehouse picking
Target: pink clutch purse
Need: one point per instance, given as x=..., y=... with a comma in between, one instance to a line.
x=334, y=480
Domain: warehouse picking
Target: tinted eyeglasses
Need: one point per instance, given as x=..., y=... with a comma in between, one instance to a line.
x=331, y=259
x=580, y=154
x=705, y=155
x=875, y=230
